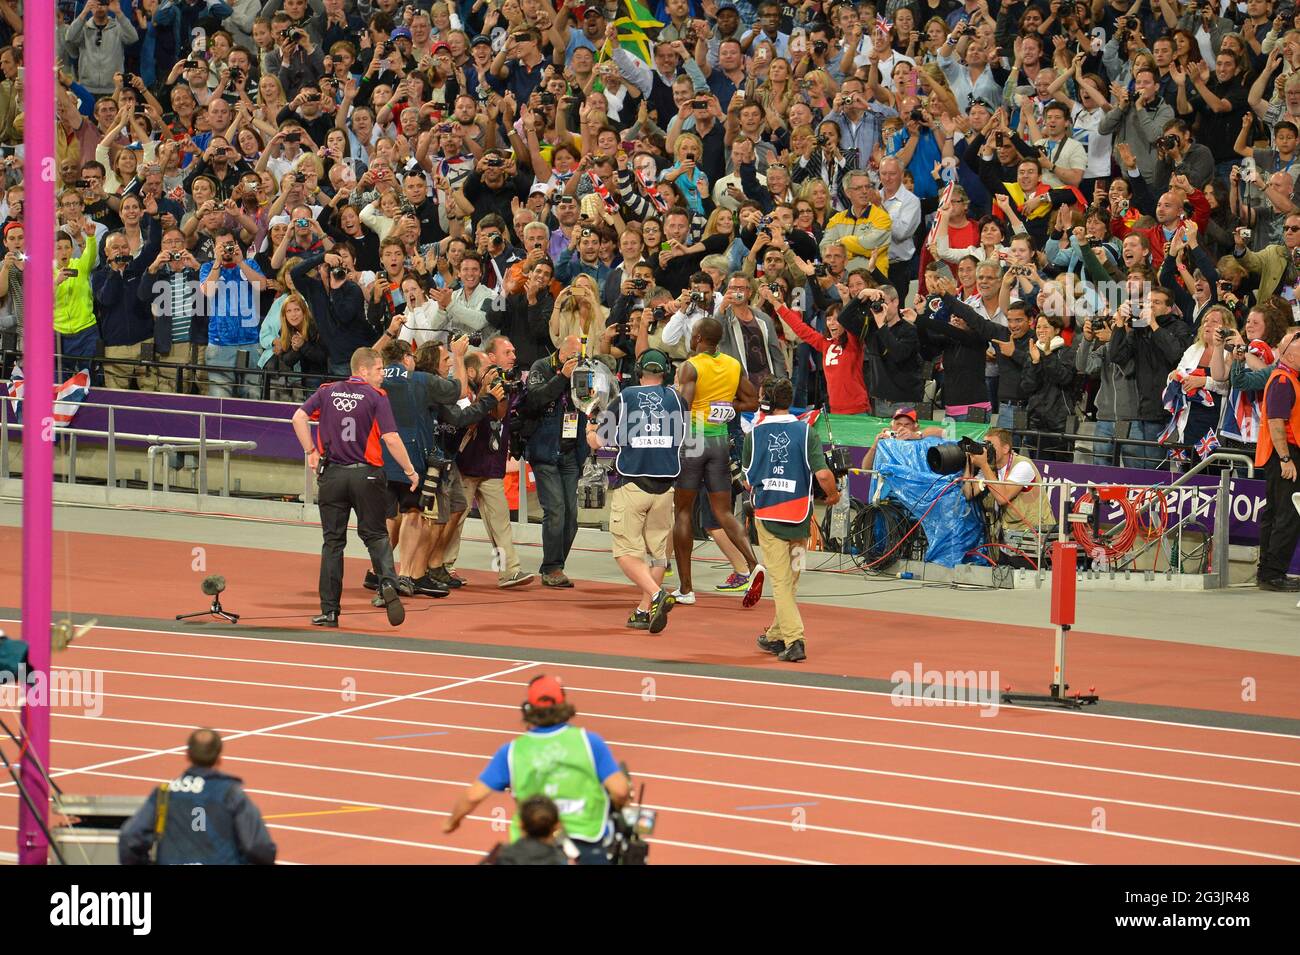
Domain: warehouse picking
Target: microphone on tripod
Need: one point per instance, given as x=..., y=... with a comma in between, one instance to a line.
x=212, y=585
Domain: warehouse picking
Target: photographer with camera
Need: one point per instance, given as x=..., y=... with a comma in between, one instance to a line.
x=301, y=65
x=1117, y=397
x=337, y=307
x=647, y=424
x=1138, y=120
x=1177, y=155
x=859, y=119
x=525, y=316
x=582, y=257
x=1009, y=488
x=124, y=327
x=573, y=766
x=99, y=42
x=493, y=185
x=551, y=429
x=484, y=449
x=1277, y=266
x=1268, y=176
x=782, y=457
x=698, y=301
x=1148, y=335
x=230, y=285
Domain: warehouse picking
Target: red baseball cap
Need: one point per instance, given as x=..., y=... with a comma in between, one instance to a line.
x=904, y=413
x=545, y=691
x=441, y=46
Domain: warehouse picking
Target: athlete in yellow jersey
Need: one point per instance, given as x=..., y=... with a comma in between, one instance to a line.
x=715, y=390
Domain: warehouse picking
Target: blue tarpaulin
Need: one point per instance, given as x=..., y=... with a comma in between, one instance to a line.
x=953, y=525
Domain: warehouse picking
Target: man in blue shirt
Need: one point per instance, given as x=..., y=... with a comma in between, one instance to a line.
x=230, y=287
x=575, y=769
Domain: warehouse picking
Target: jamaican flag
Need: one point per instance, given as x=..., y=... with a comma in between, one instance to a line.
x=636, y=28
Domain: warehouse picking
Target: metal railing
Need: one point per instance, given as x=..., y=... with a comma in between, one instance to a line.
x=1219, y=575
x=203, y=445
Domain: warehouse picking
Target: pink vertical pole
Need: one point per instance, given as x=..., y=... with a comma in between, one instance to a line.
x=40, y=165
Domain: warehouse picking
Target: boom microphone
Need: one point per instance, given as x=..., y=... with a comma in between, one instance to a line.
x=214, y=585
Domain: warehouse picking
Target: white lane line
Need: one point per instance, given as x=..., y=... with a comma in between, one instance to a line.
x=308, y=719
x=769, y=790
x=885, y=837
x=711, y=753
x=728, y=703
x=767, y=684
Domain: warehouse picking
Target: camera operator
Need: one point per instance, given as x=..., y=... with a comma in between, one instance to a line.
x=526, y=316
x=903, y=426
x=539, y=818
x=573, y=766
x=647, y=423
x=1009, y=488
x=893, y=354
x=301, y=65
x=481, y=460
x=163, y=829
x=698, y=301
x=124, y=328
x=1177, y=155
x=1278, y=265
x=180, y=326
x=551, y=429
x=230, y=285
x=337, y=306
x=781, y=479
x=1153, y=339
x=1117, y=398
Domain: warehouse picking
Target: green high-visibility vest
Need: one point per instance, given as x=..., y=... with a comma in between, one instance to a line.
x=560, y=765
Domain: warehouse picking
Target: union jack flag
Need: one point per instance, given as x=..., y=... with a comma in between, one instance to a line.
x=67, y=396
x=652, y=193
x=600, y=189
x=1207, y=444
x=883, y=25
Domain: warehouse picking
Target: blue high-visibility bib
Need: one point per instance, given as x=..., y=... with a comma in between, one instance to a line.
x=779, y=471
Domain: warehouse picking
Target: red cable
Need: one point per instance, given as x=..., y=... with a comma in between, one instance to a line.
x=1083, y=533
x=1015, y=550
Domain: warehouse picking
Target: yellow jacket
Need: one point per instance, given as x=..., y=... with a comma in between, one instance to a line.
x=865, y=238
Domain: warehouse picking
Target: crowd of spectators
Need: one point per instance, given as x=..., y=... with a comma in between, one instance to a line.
x=1067, y=205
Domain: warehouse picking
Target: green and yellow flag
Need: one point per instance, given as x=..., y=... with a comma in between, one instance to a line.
x=636, y=28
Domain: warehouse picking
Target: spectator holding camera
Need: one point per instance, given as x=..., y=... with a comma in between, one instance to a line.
x=1138, y=120
x=483, y=453
x=99, y=42
x=1046, y=380
x=1277, y=266
x=124, y=327
x=337, y=307
x=1177, y=155
x=1148, y=334
x=230, y=285
x=1009, y=487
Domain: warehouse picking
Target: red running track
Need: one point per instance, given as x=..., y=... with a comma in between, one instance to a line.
x=355, y=754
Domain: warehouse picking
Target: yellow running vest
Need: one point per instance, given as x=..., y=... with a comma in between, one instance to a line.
x=716, y=379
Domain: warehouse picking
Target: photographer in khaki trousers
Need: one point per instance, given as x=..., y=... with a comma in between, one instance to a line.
x=782, y=457
x=647, y=423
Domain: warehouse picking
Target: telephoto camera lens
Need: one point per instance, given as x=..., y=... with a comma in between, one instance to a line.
x=947, y=458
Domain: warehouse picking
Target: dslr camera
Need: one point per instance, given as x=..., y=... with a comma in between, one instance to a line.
x=1167, y=142
x=699, y=298
x=338, y=272
x=951, y=457
x=511, y=381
